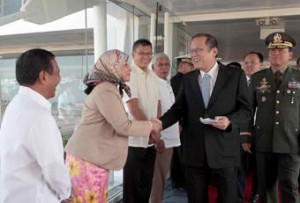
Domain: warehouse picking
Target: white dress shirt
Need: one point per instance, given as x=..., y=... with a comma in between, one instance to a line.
x=32, y=167
x=144, y=87
x=169, y=135
x=248, y=80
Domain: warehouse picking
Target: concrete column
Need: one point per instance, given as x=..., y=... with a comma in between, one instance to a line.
x=100, y=43
x=168, y=37
x=152, y=30
x=100, y=29
x=0, y=101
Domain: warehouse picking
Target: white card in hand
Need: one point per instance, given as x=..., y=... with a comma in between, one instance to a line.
x=207, y=120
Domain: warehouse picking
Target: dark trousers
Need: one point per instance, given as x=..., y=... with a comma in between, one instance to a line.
x=272, y=167
x=198, y=179
x=253, y=169
x=242, y=172
x=177, y=168
x=138, y=174
x=248, y=164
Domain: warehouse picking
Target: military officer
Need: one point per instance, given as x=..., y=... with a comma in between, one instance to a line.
x=276, y=97
x=184, y=65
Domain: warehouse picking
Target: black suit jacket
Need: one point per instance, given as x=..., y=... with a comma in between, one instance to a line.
x=204, y=143
x=176, y=82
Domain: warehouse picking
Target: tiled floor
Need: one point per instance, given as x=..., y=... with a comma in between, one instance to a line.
x=174, y=195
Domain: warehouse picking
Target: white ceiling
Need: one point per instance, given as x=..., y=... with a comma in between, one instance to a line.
x=233, y=22
x=237, y=35
x=189, y=7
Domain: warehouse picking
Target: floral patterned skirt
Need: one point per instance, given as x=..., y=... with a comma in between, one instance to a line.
x=89, y=182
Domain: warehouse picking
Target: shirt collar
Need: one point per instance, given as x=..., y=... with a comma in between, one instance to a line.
x=212, y=72
x=139, y=70
x=282, y=71
x=35, y=96
x=162, y=80
x=248, y=78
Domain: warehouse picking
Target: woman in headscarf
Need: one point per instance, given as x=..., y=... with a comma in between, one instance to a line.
x=100, y=141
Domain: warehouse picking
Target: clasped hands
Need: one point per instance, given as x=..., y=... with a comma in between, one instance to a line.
x=156, y=127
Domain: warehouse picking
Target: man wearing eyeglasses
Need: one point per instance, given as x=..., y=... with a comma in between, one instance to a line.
x=213, y=103
x=143, y=105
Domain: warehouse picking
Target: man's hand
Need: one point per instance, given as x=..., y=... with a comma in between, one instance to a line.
x=154, y=137
x=221, y=122
x=156, y=124
x=156, y=127
x=247, y=147
x=160, y=146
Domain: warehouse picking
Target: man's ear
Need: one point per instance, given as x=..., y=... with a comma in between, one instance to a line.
x=215, y=50
x=42, y=76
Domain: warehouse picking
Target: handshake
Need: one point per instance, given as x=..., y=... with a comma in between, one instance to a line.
x=155, y=127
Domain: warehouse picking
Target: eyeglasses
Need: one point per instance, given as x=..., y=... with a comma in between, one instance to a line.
x=249, y=63
x=195, y=51
x=144, y=54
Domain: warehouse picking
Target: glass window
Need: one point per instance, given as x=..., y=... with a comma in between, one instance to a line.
x=123, y=28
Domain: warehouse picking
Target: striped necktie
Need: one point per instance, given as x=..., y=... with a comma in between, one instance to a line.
x=205, y=88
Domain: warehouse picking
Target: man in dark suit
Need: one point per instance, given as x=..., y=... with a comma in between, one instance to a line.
x=211, y=146
x=184, y=66
x=275, y=95
x=253, y=62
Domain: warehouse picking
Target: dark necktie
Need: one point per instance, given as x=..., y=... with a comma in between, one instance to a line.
x=278, y=78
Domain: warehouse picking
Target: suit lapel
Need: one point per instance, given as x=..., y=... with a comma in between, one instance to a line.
x=195, y=87
x=219, y=85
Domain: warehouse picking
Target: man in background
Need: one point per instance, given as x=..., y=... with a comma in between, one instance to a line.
x=184, y=65
x=275, y=97
x=31, y=150
x=253, y=62
x=169, y=136
x=143, y=105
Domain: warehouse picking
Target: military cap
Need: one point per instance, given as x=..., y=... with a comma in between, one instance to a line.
x=184, y=58
x=279, y=40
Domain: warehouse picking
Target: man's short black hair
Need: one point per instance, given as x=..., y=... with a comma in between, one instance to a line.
x=31, y=63
x=211, y=41
x=143, y=42
x=259, y=55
